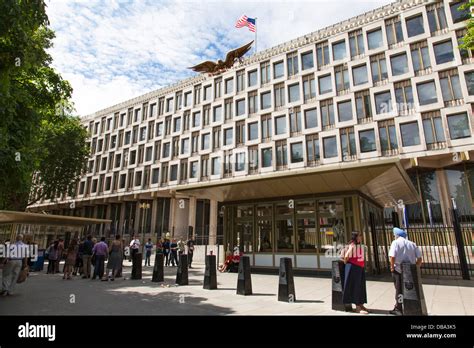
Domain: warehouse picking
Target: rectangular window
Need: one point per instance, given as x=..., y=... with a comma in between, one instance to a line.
x=240, y=107
x=228, y=136
x=166, y=150
x=359, y=74
x=375, y=39
x=252, y=78
x=295, y=121
x=312, y=149
x=457, y=14
x=155, y=175
x=322, y=54
x=279, y=91
x=240, y=162
x=253, y=102
x=168, y=125
x=399, y=64
x=311, y=118
x=266, y=100
x=292, y=63
x=253, y=159
x=280, y=125
x=205, y=141
x=194, y=142
x=228, y=105
x=266, y=127
x=339, y=50
x=187, y=99
x=217, y=114
x=404, y=96
x=420, y=56
x=253, y=130
x=297, y=152
x=342, y=78
x=177, y=124
x=185, y=146
x=363, y=106
x=443, y=52
x=294, y=93
x=344, y=110
x=206, y=115
x=348, y=145
x=197, y=94
x=410, y=134
x=470, y=82
x=330, y=147
x=450, y=86
x=217, y=88
x=309, y=87
x=240, y=132
x=265, y=72
x=174, y=172
x=436, y=17
x=216, y=137
x=433, y=127
x=204, y=167
x=148, y=153
x=458, y=126
x=197, y=119
x=367, y=140
x=388, y=136
x=383, y=102
x=281, y=154
x=426, y=93
x=415, y=25
x=193, y=169
x=161, y=106
x=229, y=85
x=175, y=147
x=207, y=92
x=240, y=80
x=327, y=114
x=379, y=68
x=267, y=157
x=356, y=43
x=325, y=84
x=393, y=28
x=307, y=60
x=278, y=69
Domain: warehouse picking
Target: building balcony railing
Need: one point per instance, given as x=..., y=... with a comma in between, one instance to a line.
x=343, y=91
x=313, y=163
x=423, y=72
x=437, y=145
x=348, y=158
x=329, y=127
x=364, y=120
x=390, y=152
x=454, y=102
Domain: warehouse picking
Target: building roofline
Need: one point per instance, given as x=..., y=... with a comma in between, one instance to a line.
x=318, y=35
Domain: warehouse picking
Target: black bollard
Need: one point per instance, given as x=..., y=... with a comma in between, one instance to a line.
x=338, y=287
x=244, y=281
x=158, y=270
x=286, y=282
x=412, y=290
x=137, y=266
x=210, y=273
x=182, y=275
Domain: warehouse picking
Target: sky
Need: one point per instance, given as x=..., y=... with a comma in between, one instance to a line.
x=115, y=50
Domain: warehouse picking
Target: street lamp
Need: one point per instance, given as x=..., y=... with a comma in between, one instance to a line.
x=145, y=206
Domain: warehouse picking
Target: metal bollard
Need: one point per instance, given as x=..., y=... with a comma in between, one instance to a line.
x=244, y=281
x=182, y=274
x=338, y=287
x=158, y=270
x=210, y=273
x=412, y=290
x=286, y=282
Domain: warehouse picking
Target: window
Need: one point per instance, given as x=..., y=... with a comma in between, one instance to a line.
x=206, y=115
x=265, y=73
x=216, y=166
x=148, y=153
x=197, y=95
x=378, y=67
x=253, y=102
x=363, y=105
x=311, y=118
x=348, y=145
x=174, y=172
x=217, y=88
x=228, y=136
x=175, y=147
x=330, y=147
x=253, y=130
x=280, y=125
x=295, y=120
x=322, y=54
x=184, y=146
x=168, y=125
x=436, y=17
x=375, y=39
x=138, y=178
x=279, y=95
x=278, y=69
x=356, y=43
x=267, y=157
x=205, y=139
x=458, y=126
x=266, y=127
x=342, y=78
x=253, y=158
x=229, y=85
x=204, y=167
x=240, y=132
x=388, y=136
x=359, y=74
x=266, y=100
x=157, y=151
x=194, y=142
x=292, y=63
x=207, y=92
x=228, y=105
x=216, y=137
x=325, y=84
x=197, y=119
x=240, y=80
x=450, y=86
x=410, y=134
x=240, y=107
x=312, y=148
x=309, y=87
x=339, y=50
x=457, y=14
x=134, y=137
x=399, y=64
x=383, y=102
x=443, y=52
x=240, y=162
x=252, y=78
x=296, y=152
x=307, y=61
x=426, y=93
x=293, y=92
x=217, y=115
x=133, y=157
x=161, y=106
x=186, y=120
x=433, y=127
x=177, y=124
x=193, y=169
x=344, y=111
x=155, y=175
x=404, y=96
x=367, y=140
x=470, y=82
x=415, y=25
x=281, y=153
x=327, y=114
x=393, y=28
x=187, y=99
x=420, y=56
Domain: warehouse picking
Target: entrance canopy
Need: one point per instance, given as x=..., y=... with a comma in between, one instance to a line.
x=17, y=217
x=385, y=181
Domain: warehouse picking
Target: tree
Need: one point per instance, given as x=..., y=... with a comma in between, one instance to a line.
x=467, y=42
x=31, y=93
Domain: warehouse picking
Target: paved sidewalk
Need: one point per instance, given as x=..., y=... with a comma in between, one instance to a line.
x=44, y=294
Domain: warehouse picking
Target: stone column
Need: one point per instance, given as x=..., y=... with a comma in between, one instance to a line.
x=213, y=214
x=136, y=223
x=445, y=199
x=120, y=229
x=192, y=214
x=172, y=216
x=153, y=213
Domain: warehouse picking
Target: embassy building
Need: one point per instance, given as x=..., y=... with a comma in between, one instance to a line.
x=296, y=146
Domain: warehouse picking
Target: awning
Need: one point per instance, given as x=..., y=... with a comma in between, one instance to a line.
x=17, y=217
x=385, y=181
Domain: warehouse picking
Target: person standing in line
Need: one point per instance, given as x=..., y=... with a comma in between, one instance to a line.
x=355, y=290
x=115, y=258
x=52, y=257
x=60, y=254
x=134, y=246
x=87, y=256
x=166, y=251
x=78, y=263
x=401, y=250
x=148, y=249
x=71, y=256
x=14, y=263
x=174, y=252
x=181, y=249
x=100, y=251
x=190, y=245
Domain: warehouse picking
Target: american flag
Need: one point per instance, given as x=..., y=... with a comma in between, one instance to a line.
x=245, y=21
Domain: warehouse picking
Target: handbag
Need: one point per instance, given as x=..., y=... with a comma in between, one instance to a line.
x=23, y=274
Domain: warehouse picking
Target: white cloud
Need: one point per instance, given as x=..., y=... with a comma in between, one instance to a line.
x=111, y=50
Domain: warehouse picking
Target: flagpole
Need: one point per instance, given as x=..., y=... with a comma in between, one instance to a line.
x=255, y=34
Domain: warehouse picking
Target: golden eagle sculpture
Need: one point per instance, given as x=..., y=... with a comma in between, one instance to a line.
x=215, y=68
